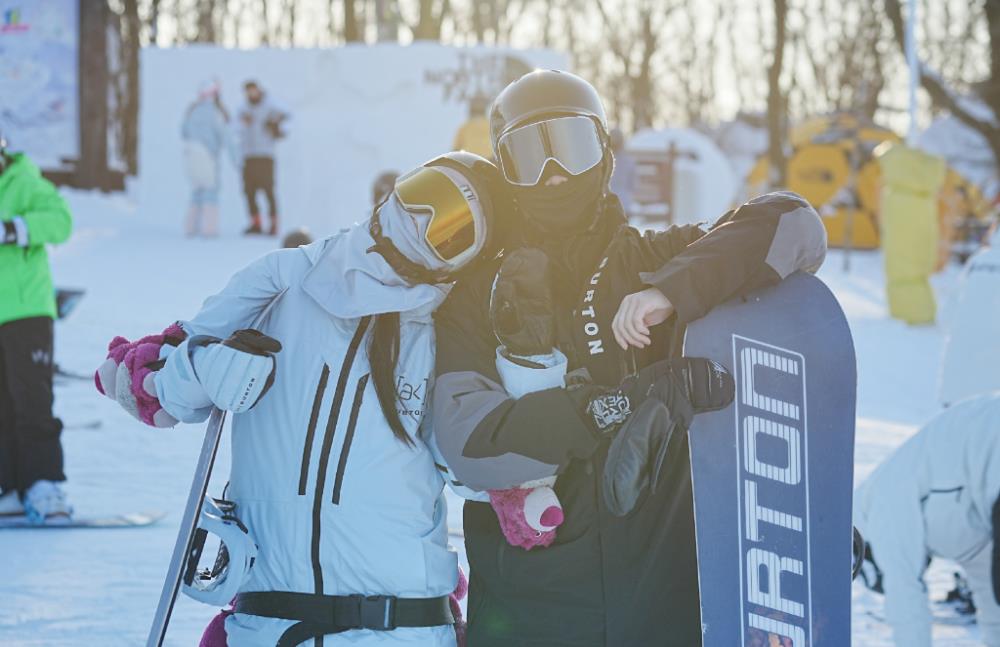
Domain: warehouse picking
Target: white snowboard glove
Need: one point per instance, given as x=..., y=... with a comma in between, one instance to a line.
x=237, y=372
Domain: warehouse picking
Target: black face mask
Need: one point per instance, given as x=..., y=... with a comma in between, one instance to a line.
x=569, y=207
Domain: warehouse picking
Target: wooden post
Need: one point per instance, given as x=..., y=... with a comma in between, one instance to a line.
x=92, y=166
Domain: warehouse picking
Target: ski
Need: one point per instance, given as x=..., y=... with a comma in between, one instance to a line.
x=129, y=520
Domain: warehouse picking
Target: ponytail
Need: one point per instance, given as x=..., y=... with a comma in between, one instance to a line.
x=383, y=354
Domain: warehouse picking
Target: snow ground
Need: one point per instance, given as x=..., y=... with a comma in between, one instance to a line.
x=101, y=586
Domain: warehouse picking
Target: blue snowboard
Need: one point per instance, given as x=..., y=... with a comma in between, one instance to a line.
x=773, y=472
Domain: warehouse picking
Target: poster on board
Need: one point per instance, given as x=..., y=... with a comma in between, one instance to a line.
x=39, y=86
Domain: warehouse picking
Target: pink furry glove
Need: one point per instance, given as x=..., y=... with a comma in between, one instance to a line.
x=126, y=376
x=528, y=516
x=456, y=609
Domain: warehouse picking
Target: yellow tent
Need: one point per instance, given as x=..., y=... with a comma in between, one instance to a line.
x=831, y=166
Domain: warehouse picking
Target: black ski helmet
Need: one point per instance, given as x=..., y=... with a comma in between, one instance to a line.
x=542, y=94
x=488, y=185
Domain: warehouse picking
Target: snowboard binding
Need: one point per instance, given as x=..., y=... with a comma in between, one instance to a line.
x=218, y=584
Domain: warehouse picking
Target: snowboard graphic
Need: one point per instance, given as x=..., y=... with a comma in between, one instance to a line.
x=131, y=520
x=773, y=472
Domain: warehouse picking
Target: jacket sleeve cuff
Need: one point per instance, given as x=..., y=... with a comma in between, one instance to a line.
x=520, y=380
x=177, y=386
x=684, y=299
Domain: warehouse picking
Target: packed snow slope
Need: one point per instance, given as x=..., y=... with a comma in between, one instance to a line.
x=99, y=587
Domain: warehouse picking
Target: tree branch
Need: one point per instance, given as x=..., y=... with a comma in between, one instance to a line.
x=940, y=95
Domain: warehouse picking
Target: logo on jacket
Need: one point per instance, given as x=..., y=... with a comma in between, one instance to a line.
x=591, y=328
x=773, y=490
x=411, y=397
x=41, y=357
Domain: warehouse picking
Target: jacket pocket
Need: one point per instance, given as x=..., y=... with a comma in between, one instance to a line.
x=311, y=431
x=359, y=396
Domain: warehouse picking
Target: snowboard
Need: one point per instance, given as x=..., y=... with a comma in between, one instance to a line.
x=971, y=349
x=773, y=472
x=131, y=520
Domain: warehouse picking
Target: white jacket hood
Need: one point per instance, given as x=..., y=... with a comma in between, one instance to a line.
x=349, y=282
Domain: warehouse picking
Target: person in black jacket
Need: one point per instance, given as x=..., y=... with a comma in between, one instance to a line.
x=621, y=300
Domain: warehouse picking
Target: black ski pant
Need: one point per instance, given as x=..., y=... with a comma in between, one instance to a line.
x=29, y=434
x=258, y=175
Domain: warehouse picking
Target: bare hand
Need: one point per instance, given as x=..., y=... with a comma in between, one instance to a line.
x=637, y=313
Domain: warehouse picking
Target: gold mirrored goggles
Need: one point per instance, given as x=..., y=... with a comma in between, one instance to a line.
x=452, y=227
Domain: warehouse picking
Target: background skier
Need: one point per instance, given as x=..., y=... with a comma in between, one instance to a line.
x=261, y=126
x=936, y=496
x=206, y=135
x=328, y=474
x=605, y=580
x=32, y=214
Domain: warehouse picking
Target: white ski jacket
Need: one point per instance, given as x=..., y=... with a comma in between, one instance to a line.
x=934, y=496
x=335, y=502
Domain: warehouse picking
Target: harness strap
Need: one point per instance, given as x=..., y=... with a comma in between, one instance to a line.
x=320, y=615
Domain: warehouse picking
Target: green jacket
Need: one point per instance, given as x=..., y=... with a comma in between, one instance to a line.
x=25, y=281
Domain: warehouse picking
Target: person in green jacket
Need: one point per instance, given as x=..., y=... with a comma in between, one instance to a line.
x=32, y=215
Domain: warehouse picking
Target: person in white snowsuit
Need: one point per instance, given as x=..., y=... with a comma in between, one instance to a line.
x=936, y=496
x=338, y=491
x=206, y=136
x=972, y=346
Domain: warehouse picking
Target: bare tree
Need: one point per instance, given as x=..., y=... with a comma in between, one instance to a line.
x=634, y=38
x=431, y=17
x=352, y=33
x=130, y=103
x=941, y=92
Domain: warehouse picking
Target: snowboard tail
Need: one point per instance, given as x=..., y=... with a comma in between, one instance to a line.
x=772, y=473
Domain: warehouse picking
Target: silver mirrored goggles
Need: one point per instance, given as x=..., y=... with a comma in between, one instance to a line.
x=572, y=142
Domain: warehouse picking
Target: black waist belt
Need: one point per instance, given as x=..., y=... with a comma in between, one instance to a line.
x=320, y=615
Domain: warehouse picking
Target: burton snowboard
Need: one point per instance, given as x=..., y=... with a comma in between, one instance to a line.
x=773, y=472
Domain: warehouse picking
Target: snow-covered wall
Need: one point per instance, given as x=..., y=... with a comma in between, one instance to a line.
x=356, y=111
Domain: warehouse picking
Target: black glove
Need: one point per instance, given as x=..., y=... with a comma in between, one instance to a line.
x=521, y=309
x=664, y=398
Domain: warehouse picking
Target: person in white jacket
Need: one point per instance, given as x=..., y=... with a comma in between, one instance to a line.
x=936, y=496
x=329, y=475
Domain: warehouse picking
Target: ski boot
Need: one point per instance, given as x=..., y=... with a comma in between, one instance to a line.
x=10, y=504
x=45, y=501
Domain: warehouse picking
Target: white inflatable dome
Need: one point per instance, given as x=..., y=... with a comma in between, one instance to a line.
x=705, y=184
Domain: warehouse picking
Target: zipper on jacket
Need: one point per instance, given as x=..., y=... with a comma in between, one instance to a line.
x=311, y=432
x=359, y=396
x=324, y=459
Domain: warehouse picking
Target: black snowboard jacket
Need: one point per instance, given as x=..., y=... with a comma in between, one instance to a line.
x=605, y=580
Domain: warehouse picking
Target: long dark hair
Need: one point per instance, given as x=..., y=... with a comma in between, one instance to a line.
x=383, y=354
